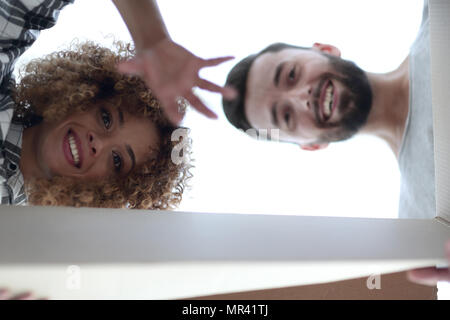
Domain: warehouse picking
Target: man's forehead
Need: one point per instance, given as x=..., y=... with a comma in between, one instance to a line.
x=261, y=74
x=273, y=57
x=262, y=70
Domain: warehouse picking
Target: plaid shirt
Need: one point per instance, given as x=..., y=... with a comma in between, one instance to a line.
x=20, y=24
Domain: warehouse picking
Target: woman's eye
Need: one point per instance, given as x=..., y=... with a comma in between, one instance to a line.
x=117, y=161
x=106, y=118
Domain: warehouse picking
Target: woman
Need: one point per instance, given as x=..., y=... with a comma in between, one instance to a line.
x=92, y=136
x=83, y=134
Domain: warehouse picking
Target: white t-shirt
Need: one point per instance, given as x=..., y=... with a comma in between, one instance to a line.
x=416, y=157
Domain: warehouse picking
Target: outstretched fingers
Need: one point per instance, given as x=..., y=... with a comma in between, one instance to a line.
x=198, y=105
x=167, y=86
x=227, y=92
x=215, y=61
x=171, y=109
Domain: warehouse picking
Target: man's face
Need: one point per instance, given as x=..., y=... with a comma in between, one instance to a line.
x=311, y=97
x=100, y=143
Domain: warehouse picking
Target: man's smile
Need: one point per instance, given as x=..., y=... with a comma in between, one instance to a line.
x=328, y=101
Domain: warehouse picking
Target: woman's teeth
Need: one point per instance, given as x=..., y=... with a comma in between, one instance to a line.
x=74, y=150
x=328, y=102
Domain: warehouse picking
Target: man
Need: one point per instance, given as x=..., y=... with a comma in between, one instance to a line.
x=313, y=97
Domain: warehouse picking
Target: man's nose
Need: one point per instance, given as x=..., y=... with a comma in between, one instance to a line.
x=95, y=144
x=302, y=96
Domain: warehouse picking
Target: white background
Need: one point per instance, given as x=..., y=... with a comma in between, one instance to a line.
x=234, y=173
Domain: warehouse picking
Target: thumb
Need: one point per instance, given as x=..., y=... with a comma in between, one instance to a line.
x=129, y=67
x=171, y=110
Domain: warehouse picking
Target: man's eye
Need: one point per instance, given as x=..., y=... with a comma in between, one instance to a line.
x=291, y=75
x=287, y=117
x=117, y=161
x=106, y=118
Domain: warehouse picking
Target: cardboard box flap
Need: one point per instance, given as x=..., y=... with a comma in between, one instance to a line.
x=43, y=235
x=439, y=11
x=141, y=254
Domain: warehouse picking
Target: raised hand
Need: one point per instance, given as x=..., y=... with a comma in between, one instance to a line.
x=171, y=72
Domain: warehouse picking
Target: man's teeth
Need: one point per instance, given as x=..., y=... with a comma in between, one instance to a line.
x=328, y=103
x=74, y=150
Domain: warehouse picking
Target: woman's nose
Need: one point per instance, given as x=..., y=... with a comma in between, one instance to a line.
x=95, y=144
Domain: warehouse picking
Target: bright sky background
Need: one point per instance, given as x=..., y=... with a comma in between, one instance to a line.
x=234, y=173
x=238, y=174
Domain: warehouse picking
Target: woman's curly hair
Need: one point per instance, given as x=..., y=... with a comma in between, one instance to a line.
x=74, y=80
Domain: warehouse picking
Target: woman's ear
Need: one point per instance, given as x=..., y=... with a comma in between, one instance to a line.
x=314, y=147
x=327, y=48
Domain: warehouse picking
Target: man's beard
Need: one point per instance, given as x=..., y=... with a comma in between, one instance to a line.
x=355, y=101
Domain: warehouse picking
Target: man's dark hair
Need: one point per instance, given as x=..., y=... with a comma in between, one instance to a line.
x=237, y=78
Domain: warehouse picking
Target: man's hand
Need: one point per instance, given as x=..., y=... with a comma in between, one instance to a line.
x=171, y=72
x=430, y=276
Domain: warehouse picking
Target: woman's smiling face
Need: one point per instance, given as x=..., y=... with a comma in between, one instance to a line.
x=99, y=143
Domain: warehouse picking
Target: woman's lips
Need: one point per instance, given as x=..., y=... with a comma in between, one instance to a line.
x=68, y=152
